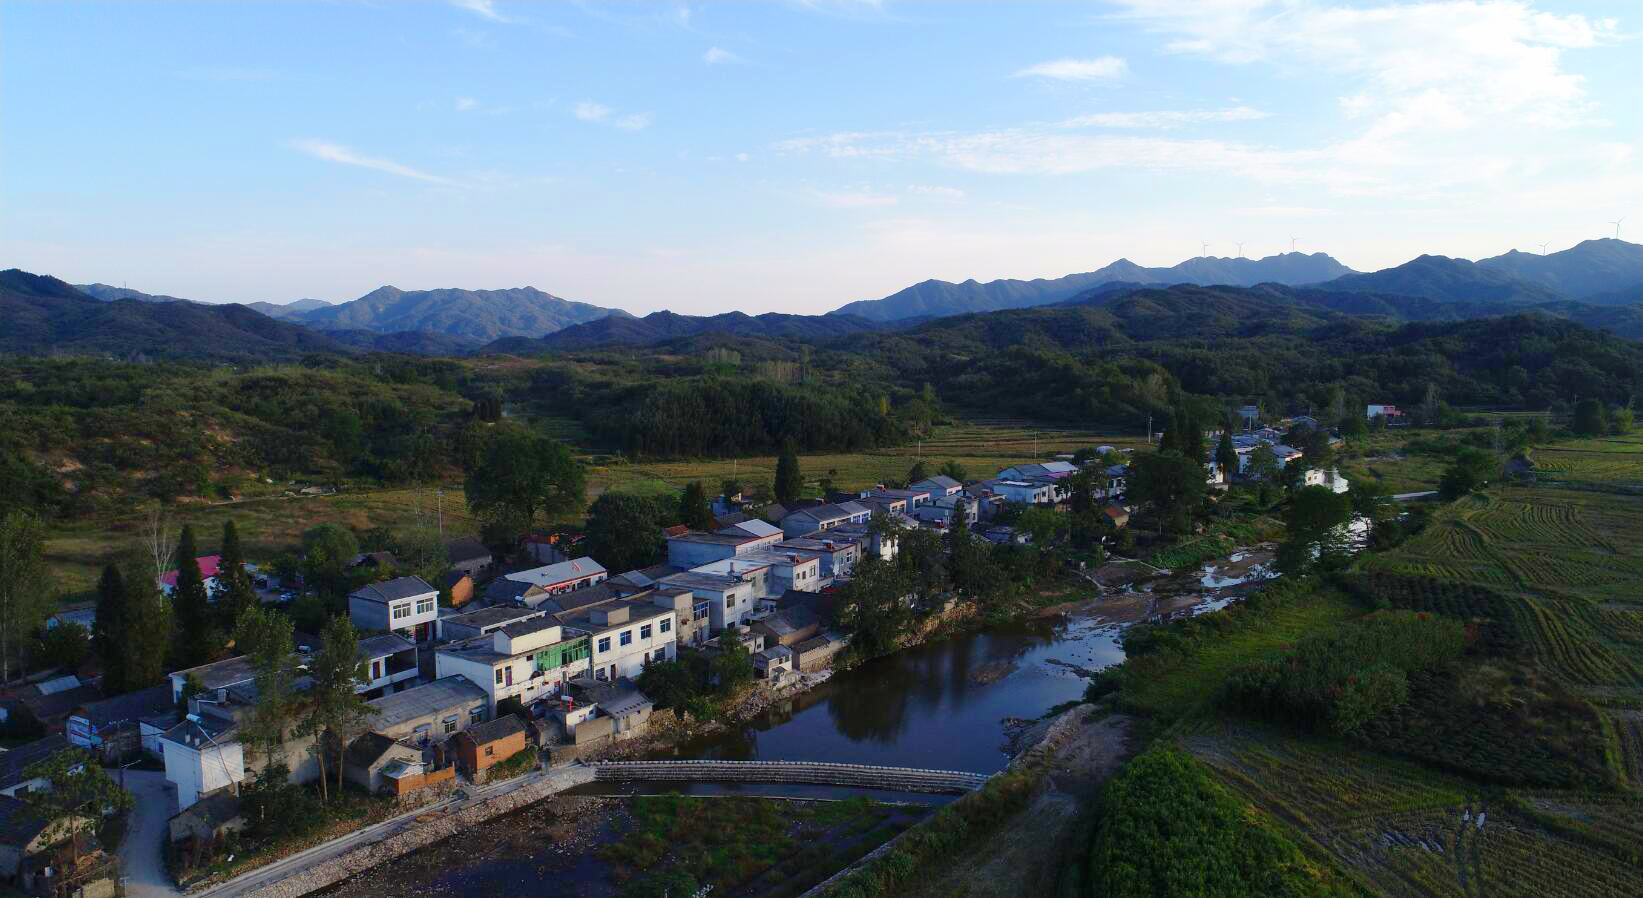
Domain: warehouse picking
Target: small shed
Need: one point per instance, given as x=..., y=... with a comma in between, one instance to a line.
x=484, y=745
x=771, y=662
x=208, y=819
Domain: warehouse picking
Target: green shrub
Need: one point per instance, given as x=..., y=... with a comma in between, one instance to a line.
x=1167, y=829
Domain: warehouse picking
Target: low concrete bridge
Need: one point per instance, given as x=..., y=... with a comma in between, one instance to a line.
x=900, y=779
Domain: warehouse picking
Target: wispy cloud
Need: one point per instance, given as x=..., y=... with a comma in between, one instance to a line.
x=717, y=56
x=1164, y=119
x=589, y=111
x=861, y=198
x=483, y=8
x=1100, y=68
x=465, y=104
x=335, y=152
x=936, y=192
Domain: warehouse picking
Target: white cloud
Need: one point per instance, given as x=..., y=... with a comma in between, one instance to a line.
x=1099, y=68
x=634, y=122
x=741, y=157
x=589, y=111
x=482, y=8
x=464, y=104
x=717, y=56
x=1165, y=119
x=1418, y=63
x=862, y=198
x=333, y=152
x=944, y=194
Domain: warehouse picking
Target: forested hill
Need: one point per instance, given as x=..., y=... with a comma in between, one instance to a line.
x=1440, y=277
x=940, y=298
x=658, y=326
x=45, y=316
x=476, y=315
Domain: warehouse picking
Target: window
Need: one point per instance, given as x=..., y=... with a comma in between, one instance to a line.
x=401, y=611
x=499, y=676
x=644, y=632
x=490, y=749
x=421, y=733
x=425, y=606
x=376, y=670
x=666, y=624
x=699, y=611
x=449, y=724
x=627, y=637
x=476, y=714
x=604, y=644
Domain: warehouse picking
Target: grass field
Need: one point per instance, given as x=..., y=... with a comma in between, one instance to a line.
x=77, y=553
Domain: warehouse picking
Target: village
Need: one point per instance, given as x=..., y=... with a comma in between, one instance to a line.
x=513, y=664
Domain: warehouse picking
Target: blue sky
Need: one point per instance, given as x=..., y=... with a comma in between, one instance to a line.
x=794, y=156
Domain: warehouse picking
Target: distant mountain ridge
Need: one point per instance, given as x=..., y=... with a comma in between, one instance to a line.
x=294, y=308
x=1584, y=270
x=44, y=315
x=939, y=298
x=107, y=293
x=1453, y=280
x=659, y=326
x=477, y=315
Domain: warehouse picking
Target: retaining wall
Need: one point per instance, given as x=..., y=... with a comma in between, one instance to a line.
x=901, y=779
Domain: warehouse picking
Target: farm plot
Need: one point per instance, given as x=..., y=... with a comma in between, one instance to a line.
x=1590, y=465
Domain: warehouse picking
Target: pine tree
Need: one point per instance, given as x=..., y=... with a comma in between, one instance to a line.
x=195, y=643
x=693, y=510
x=334, y=707
x=234, y=591
x=109, y=630
x=1190, y=442
x=789, y=481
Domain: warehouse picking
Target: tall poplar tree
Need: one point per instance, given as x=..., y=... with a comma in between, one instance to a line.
x=195, y=642
x=23, y=596
x=789, y=481
x=108, y=631
x=234, y=590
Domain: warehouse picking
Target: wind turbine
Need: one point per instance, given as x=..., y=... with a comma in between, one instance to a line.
x=1240, y=250
x=1543, y=247
x=1292, y=239
x=1203, y=249
x=1616, y=224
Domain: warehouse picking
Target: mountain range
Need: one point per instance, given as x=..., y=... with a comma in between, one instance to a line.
x=1598, y=283
x=937, y=298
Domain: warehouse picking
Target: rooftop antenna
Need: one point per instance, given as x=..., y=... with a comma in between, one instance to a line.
x=1616, y=224
x=1292, y=239
x=1543, y=247
x=1240, y=250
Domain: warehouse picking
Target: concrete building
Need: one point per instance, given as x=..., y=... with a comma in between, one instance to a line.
x=729, y=599
x=690, y=615
x=625, y=636
x=1331, y=478
x=696, y=547
x=469, y=556
x=204, y=755
x=431, y=713
x=565, y=576
x=1036, y=492
x=789, y=570
x=839, y=556
x=529, y=660
x=824, y=517
x=938, y=486
x=390, y=662
x=482, y=747
x=116, y=728
x=405, y=605
x=455, y=625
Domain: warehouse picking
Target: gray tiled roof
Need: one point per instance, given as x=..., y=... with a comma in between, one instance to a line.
x=443, y=694
x=393, y=590
x=492, y=730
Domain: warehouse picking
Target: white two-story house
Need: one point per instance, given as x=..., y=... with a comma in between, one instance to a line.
x=404, y=605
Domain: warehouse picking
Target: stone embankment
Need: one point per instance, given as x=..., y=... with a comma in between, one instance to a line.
x=428, y=827
x=863, y=776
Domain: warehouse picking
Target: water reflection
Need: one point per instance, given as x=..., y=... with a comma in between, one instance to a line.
x=930, y=706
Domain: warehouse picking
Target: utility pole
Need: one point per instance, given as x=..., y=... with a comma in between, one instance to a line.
x=1149, y=428
x=439, y=506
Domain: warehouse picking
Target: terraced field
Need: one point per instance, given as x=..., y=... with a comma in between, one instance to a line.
x=1601, y=462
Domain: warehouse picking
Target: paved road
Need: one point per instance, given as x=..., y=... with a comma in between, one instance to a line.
x=140, y=859
x=256, y=879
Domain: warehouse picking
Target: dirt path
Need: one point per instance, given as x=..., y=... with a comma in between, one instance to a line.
x=1025, y=854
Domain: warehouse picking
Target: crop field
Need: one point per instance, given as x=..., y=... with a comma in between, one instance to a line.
x=1407, y=831
x=1595, y=466
x=1534, y=539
